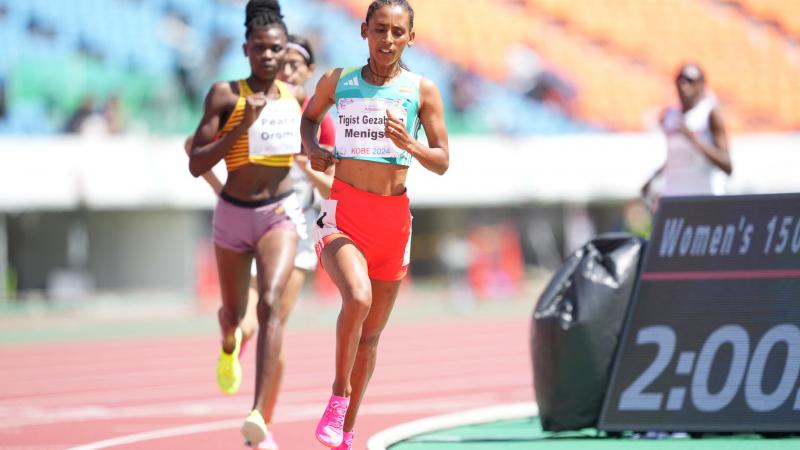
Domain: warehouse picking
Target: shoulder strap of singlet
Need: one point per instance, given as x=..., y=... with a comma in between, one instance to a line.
x=284, y=90
x=244, y=88
x=348, y=70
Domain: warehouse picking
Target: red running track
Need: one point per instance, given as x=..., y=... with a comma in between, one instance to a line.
x=161, y=393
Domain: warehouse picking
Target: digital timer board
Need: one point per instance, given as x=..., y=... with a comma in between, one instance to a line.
x=712, y=337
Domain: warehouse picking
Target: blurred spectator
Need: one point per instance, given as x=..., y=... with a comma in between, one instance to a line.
x=87, y=120
x=464, y=91
x=528, y=76
x=80, y=116
x=188, y=57
x=550, y=89
x=37, y=29
x=523, y=65
x=194, y=66
x=89, y=51
x=113, y=115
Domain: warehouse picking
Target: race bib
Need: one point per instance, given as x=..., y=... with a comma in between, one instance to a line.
x=361, y=127
x=277, y=130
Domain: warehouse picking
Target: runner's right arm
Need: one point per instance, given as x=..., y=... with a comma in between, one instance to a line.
x=207, y=152
x=319, y=104
x=210, y=176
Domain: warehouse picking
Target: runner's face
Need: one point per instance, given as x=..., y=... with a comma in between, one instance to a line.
x=266, y=50
x=387, y=33
x=295, y=70
x=689, y=90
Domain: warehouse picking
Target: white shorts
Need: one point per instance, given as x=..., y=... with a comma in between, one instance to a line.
x=306, y=258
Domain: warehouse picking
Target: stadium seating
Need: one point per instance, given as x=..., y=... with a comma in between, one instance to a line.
x=751, y=68
x=129, y=48
x=622, y=54
x=617, y=57
x=784, y=13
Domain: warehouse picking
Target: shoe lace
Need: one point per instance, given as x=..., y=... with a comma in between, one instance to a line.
x=335, y=414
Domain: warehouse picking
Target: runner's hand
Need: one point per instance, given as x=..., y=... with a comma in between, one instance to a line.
x=321, y=158
x=395, y=130
x=684, y=130
x=253, y=106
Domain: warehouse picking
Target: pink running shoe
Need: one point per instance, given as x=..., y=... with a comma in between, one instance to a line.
x=268, y=443
x=329, y=429
x=347, y=441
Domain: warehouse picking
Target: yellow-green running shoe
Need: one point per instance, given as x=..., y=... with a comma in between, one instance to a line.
x=254, y=429
x=229, y=369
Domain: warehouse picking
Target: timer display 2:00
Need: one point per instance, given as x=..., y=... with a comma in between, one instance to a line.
x=746, y=367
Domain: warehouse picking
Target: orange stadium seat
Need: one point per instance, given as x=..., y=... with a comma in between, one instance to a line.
x=487, y=31
x=751, y=68
x=615, y=93
x=784, y=12
x=436, y=21
x=621, y=54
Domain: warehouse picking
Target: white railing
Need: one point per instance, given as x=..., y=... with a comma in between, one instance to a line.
x=143, y=172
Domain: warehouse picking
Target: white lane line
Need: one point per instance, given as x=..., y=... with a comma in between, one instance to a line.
x=83, y=372
x=161, y=434
x=13, y=417
x=181, y=374
x=393, y=435
x=297, y=379
x=306, y=412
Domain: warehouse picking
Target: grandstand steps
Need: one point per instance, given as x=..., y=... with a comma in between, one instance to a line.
x=748, y=68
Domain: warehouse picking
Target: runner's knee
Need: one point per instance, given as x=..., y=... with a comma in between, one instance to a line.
x=358, y=297
x=268, y=307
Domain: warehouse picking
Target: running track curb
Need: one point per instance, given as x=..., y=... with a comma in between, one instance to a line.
x=390, y=436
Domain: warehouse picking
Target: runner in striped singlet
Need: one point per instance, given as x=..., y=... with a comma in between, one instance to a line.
x=253, y=125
